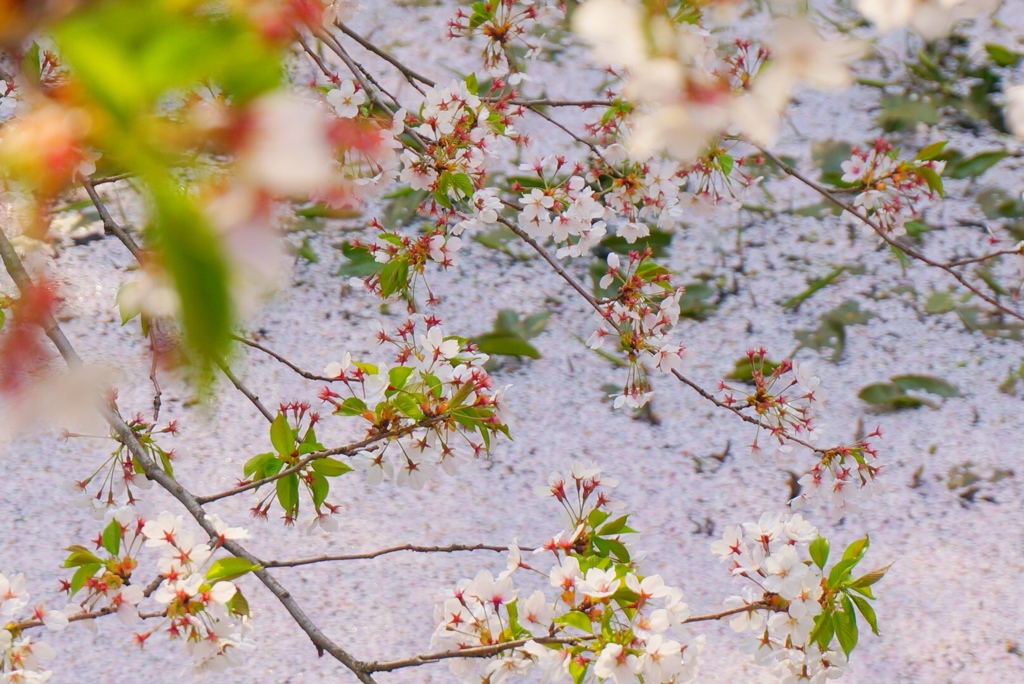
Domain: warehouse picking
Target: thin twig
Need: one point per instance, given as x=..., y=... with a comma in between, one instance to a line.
x=558, y=268
x=278, y=357
x=383, y=552
x=110, y=225
x=909, y=251
x=226, y=370
x=410, y=75
x=347, y=450
x=976, y=260
x=750, y=419
x=494, y=649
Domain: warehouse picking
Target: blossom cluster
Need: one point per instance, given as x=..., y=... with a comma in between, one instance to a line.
x=686, y=92
x=606, y=620
x=22, y=656
x=891, y=190
x=802, y=619
x=787, y=398
x=506, y=25
x=640, y=316
x=432, y=407
x=119, y=479
x=203, y=607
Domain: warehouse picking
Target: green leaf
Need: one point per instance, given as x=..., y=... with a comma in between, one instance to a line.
x=288, y=493
x=112, y=538
x=124, y=295
x=926, y=383
x=353, y=406
x=398, y=376
x=575, y=619
x=394, y=277
x=880, y=393
x=193, y=255
x=929, y=152
x=939, y=302
x=330, y=467
x=80, y=556
x=463, y=184
x=408, y=405
x=505, y=344
x=795, y=301
x=281, y=435
x=305, y=251
x=931, y=178
x=726, y=163
x=534, y=324
x=238, y=605
x=744, y=371
x=972, y=167
x=824, y=629
x=31, y=67
x=819, y=549
x=846, y=627
x=359, y=262
x=614, y=527
x=257, y=465
x=82, y=574
x=1002, y=56
x=867, y=611
x=320, y=488
x=228, y=569
x=840, y=571
x=309, y=443
x=870, y=578
x=829, y=155
x=857, y=549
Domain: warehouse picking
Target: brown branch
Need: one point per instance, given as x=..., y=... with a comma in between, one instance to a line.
x=558, y=268
x=382, y=552
x=154, y=472
x=106, y=610
x=750, y=419
x=110, y=225
x=102, y=180
x=582, y=104
x=348, y=450
x=410, y=75
x=318, y=60
x=278, y=357
x=909, y=251
x=15, y=627
x=226, y=370
x=494, y=649
x=976, y=260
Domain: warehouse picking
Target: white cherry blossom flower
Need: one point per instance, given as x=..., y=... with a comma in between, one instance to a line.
x=615, y=664
x=345, y=99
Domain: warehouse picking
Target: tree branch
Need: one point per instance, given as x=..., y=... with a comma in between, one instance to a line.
x=347, y=450
x=494, y=649
x=909, y=251
x=278, y=357
x=383, y=552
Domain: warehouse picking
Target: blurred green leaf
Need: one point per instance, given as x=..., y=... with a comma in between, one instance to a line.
x=505, y=344
x=831, y=332
x=1002, y=56
x=829, y=155
x=974, y=166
